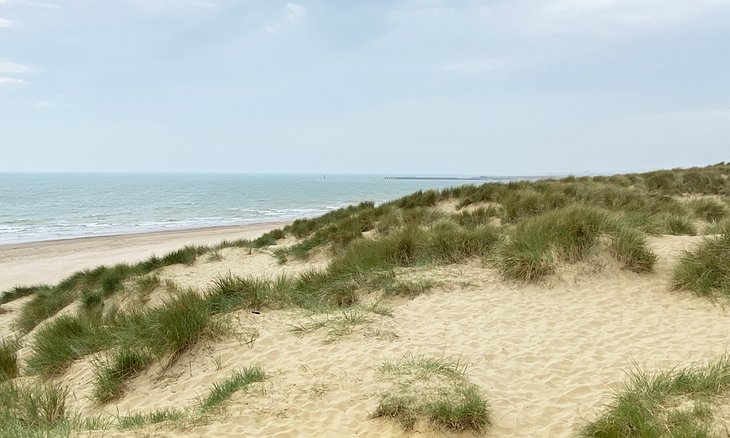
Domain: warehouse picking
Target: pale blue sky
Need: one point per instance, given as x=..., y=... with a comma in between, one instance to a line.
x=465, y=87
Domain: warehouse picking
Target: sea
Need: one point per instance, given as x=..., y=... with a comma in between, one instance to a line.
x=50, y=206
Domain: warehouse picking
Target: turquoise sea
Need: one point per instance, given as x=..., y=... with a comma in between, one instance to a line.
x=47, y=206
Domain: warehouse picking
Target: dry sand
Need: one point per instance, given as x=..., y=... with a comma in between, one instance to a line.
x=546, y=356
x=52, y=261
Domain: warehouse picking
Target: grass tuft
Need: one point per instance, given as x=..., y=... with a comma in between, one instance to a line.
x=33, y=410
x=231, y=293
x=155, y=417
x=22, y=291
x=570, y=234
x=9, y=368
x=675, y=403
x=111, y=375
x=434, y=390
x=65, y=339
x=706, y=270
x=220, y=392
x=708, y=209
x=338, y=326
x=44, y=304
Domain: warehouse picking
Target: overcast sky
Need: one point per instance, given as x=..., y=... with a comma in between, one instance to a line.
x=459, y=87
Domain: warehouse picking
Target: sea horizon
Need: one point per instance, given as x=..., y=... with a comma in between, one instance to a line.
x=46, y=206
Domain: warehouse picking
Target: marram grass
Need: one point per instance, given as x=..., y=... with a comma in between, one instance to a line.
x=675, y=403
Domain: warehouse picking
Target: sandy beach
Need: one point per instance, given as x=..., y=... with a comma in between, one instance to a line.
x=52, y=261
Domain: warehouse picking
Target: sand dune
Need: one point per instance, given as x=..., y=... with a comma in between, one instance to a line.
x=546, y=356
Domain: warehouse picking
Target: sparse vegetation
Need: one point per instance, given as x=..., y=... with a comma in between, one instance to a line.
x=337, y=326
x=675, y=403
x=434, y=390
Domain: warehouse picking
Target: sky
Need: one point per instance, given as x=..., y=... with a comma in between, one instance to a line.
x=492, y=87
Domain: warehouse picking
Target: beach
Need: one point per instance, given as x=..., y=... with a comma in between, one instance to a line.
x=359, y=322
x=24, y=264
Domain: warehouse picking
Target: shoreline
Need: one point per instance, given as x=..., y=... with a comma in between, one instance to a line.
x=50, y=261
x=171, y=231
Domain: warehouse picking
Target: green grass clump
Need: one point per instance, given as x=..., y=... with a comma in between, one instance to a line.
x=269, y=238
x=479, y=216
x=9, y=368
x=433, y=390
x=112, y=374
x=706, y=270
x=708, y=209
x=155, y=417
x=230, y=293
x=570, y=235
x=468, y=411
x=91, y=299
x=220, y=392
x=176, y=325
x=185, y=256
x=429, y=198
x=34, y=410
x=43, y=305
x=678, y=225
x=301, y=228
x=337, y=235
x=65, y=339
x=629, y=248
x=168, y=329
x=22, y=291
x=675, y=403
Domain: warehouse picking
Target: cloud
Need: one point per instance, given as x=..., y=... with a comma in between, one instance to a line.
x=5, y=23
x=10, y=81
x=11, y=67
